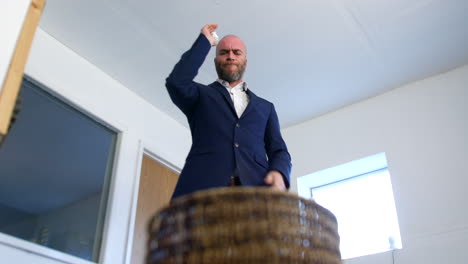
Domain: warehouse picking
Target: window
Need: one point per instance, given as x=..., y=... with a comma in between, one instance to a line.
x=55, y=169
x=360, y=195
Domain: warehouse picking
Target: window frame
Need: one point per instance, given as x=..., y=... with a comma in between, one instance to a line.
x=357, y=169
x=105, y=244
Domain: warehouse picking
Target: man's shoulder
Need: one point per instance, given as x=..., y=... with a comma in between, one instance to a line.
x=265, y=100
x=261, y=99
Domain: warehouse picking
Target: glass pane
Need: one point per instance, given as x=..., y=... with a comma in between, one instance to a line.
x=55, y=168
x=366, y=213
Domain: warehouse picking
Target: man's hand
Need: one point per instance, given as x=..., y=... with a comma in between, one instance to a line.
x=207, y=30
x=275, y=180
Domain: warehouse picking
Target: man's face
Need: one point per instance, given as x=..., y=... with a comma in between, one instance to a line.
x=230, y=60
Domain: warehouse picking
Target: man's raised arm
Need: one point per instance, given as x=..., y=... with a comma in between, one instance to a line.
x=180, y=85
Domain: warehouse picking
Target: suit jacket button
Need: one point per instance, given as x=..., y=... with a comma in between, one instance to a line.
x=236, y=145
x=237, y=125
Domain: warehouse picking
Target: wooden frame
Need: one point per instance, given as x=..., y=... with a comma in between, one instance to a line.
x=145, y=147
x=14, y=76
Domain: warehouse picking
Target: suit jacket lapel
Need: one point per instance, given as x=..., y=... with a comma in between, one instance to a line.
x=253, y=100
x=220, y=88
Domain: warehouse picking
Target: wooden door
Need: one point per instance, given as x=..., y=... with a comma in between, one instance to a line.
x=157, y=183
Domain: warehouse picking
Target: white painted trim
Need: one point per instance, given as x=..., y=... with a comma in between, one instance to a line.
x=144, y=148
x=158, y=158
x=33, y=248
x=110, y=199
x=135, y=190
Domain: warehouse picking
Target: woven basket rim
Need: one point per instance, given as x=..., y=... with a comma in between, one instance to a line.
x=248, y=190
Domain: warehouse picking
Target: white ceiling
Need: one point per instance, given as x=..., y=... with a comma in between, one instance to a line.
x=308, y=57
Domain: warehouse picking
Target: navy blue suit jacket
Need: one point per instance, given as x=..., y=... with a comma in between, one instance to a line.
x=222, y=142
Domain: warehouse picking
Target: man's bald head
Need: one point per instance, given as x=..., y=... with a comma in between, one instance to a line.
x=231, y=60
x=231, y=41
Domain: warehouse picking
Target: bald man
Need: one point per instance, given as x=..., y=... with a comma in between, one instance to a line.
x=236, y=138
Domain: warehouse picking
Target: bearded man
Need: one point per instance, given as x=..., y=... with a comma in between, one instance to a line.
x=236, y=138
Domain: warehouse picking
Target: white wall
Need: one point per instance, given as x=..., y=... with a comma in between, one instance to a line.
x=423, y=128
x=76, y=80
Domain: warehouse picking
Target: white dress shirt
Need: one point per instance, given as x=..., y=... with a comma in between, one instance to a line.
x=238, y=95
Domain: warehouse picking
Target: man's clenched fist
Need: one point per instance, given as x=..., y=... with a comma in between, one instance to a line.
x=207, y=30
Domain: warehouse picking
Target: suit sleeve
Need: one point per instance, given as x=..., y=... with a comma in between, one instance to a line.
x=180, y=85
x=277, y=152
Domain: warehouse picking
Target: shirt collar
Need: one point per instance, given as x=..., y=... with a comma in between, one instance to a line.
x=242, y=85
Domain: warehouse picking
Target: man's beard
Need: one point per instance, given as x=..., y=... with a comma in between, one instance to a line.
x=230, y=76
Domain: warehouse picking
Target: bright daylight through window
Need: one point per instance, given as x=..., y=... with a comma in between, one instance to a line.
x=360, y=195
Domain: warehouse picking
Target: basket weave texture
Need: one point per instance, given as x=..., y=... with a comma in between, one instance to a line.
x=243, y=225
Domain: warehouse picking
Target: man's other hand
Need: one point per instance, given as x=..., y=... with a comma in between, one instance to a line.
x=275, y=180
x=207, y=30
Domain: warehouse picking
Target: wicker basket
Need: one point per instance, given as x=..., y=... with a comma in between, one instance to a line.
x=243, y=225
